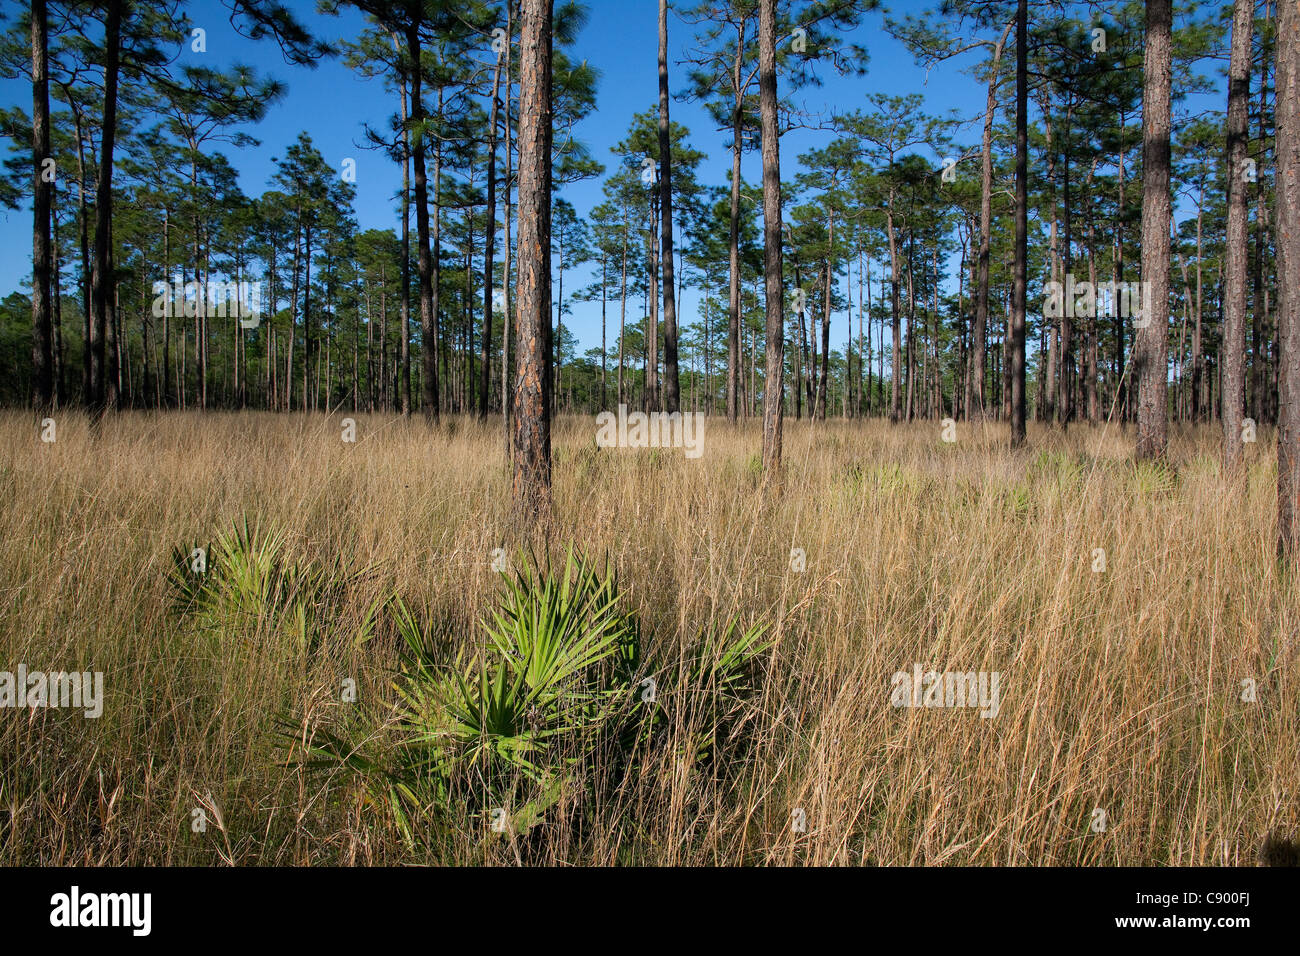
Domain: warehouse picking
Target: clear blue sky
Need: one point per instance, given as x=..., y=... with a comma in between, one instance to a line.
x=331, y=103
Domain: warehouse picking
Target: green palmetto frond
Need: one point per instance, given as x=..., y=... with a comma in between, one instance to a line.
x=541, y=685
x=552, y=629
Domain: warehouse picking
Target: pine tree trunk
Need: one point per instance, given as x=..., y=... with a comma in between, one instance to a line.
x=1233, y=363
x=826, y=325
x=166, y=397
x=773, y=406
x=622, y=310
x=60, y=359
x=651, y=395
x=405, y=348
x=975, y=408
x=507, y=399
x=733, y=246
x=42, y=333
x=1017, y=357
x=671, y=385
x=309, y=394
x=1259, y=405
x=1288, y=272
x=1065, y=366
x=532, y=438
x=102, y=385
x=1047, y=392
x=604, y=348
x=489, y=245
x=895, y=368
x=1090, y=360
x=428, y=308
x=1152, y=346
x=293, y=320
x=1122, y=372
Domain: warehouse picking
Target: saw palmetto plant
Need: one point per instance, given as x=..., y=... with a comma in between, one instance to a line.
x=512, y=724
x=246, y=584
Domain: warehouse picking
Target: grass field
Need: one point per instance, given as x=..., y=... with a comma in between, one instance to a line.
x=1121, y=690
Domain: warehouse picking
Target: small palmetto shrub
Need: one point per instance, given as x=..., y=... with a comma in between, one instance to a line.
x=509, y=727
x=1058, y=467
x=1152, y=479
x=886, y=478
x=247, y=584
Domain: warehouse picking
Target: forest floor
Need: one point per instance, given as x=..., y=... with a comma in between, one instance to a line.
x=1145, y=641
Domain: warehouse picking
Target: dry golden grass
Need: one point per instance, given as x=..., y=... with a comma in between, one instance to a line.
x=1120, y=690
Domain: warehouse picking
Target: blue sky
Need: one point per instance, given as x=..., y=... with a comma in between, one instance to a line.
x=332, y=102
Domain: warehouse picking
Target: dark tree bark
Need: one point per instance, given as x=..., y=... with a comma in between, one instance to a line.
x=671, y=385
x=532, y=438
x=622, y=309
x=895, y=368
x=733, y=286
x=820, y=404
x=1090, y=353
x=650, y=395
x=200, y=324
x=1123, y=390
x=604, y=349
x=1022, y=228
x=773, y=383
x=1152, y=346
x=1259, y=399
x=42, y=331
x=507, y=399
x=1233, y=394
x=1047, y=384
x=405, y=349
x=1065, y=363
x=801, y=381
x=975, y=408
x=83, y=248
x=1288, y=273
x=428, y=308
x=60, y=358
x=103, y=386
x=489, y=245
x=310, y=396
x=166, y=324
